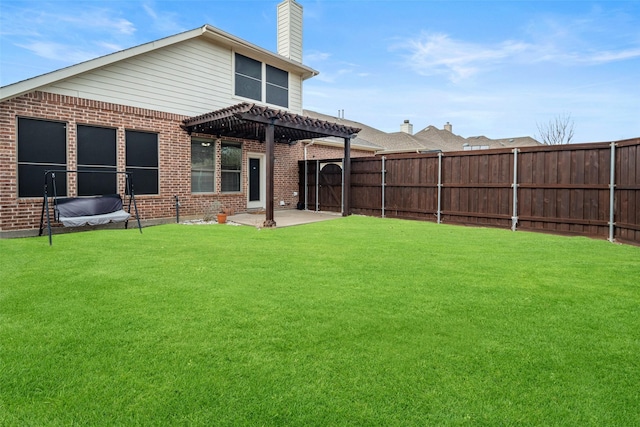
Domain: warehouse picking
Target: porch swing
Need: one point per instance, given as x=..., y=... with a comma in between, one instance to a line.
x=87, y=210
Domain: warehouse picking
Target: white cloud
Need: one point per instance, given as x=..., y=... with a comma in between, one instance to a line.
x=165, y=22
x=439, y=54
x=432, y=54
x=60, y=52
x=314, y=56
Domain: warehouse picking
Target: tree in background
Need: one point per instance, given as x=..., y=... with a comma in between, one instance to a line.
x=558, y=131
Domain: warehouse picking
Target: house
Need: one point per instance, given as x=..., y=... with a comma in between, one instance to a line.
x=199, y=116
x=428, y=139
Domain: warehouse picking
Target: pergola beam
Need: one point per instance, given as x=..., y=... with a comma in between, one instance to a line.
x=259, y=123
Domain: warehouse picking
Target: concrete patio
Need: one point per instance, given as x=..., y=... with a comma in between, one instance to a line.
x=283, y=218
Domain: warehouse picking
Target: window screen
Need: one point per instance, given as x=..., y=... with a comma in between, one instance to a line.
x=42, y=145
x=96, y=153
x=248, y=77
x=231, y=167
x=277, y=86
x=202, y=165
x=142, y=161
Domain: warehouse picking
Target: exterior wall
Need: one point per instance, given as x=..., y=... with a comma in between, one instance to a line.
x=328, y=152
x=174, y=159
x=188, y=78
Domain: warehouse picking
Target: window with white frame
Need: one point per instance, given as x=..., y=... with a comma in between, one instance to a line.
x=230, y=167
x=249, y=81
x=203, y=156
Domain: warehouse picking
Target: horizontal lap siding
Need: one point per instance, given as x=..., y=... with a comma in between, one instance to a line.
x=189, y=78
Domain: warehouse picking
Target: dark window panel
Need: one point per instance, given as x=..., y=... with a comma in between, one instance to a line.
x=96, y=146
x=95, y=184
x=41, y=141
x=31, y=180
x=277, y=77
x=277, y=96
x=141, y=149
x=248, y=67
x=145, y=181
x=248, y=88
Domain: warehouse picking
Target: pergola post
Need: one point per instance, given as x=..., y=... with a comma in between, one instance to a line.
x=270, y=143
x=346, y=170
x=259, y=123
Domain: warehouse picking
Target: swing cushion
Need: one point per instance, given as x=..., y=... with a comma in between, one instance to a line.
x=78, y=211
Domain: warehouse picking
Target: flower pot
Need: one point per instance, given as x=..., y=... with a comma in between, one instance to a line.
x=222, y=218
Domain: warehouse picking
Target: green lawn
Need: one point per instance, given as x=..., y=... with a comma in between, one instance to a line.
x=355, y=321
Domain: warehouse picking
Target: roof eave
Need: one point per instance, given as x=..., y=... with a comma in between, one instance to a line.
x=29, y=85
x=209, y=32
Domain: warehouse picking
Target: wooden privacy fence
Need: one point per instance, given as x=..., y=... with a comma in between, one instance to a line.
x=585, y=189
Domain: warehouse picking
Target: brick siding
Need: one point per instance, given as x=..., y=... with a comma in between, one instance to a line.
x=174, y=158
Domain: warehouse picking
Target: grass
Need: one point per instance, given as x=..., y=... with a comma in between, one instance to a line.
x=355, y=321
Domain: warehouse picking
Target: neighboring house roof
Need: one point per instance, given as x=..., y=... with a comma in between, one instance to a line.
x=361, y=141
x=207, y=32
x=428, y=139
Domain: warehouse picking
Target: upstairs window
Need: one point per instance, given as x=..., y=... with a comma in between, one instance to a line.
x=42, y=145
x=248, y=77
x=142, y=161
x=277, y=87
x=96, y=153
x=249, y=81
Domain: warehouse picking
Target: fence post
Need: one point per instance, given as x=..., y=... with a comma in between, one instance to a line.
x=514, y=217
x=383, y=183
x=439, y=185
x=306, y=183
x=342, y=181
x=317, y=185
x=612, y=190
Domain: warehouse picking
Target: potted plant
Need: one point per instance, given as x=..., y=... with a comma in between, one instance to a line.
x=218, y=209
x=215, y=210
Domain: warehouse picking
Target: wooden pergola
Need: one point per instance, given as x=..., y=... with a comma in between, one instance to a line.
x=271, y=126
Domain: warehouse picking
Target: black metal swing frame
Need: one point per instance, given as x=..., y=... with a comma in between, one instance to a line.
x=50, y=177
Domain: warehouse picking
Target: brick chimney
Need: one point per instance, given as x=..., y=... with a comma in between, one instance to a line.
x=448, y=126
x=406, y=127
x=290, y=30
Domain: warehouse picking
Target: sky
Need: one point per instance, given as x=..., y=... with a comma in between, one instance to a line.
x=496, y=68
